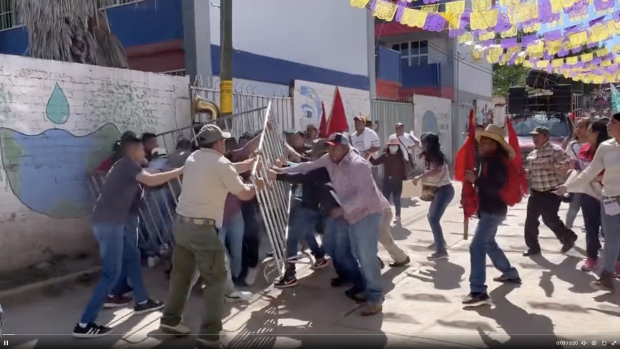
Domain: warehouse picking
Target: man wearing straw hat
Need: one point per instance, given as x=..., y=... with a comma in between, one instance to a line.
x=489, y=181
x=200, y=211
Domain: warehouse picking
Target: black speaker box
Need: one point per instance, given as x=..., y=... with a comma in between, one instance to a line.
x=562, y=99
x=542, y=80
x=517, y=100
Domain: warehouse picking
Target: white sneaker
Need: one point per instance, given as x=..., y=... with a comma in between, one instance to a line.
x=250, y=279
x=238, y=296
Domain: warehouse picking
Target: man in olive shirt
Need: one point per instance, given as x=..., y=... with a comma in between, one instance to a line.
x=115, y=225
x=208, y=177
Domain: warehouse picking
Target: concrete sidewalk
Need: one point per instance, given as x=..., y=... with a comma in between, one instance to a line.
x=422, y=307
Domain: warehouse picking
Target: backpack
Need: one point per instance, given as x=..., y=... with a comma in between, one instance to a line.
x=510, y=193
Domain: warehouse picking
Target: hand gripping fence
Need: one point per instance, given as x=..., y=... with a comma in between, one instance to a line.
x=275, y=200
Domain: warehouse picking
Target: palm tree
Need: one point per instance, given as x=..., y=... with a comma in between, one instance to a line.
x=70, y=31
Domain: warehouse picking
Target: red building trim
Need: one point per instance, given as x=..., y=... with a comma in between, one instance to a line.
x=392, y=29
x=388, y=89
x=443, y=92
x=158, y=57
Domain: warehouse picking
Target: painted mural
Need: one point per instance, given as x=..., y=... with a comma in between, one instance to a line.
x=434, y=114
x=483, y=108
x=307, y=98
x=58, y=122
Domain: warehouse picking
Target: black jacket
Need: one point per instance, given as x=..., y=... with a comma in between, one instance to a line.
x=491, y=179
x=317, y=192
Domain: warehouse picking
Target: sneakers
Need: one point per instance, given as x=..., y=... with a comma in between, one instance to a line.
x=401, y=263
x=507, y=279
x=604, y=283
x=397, y=220
x=285, y=282
x=438, y=256
x=179, y=330
x=250, y=279
x=238, y=296
x=589, y=264
x=116, y=302
x=148, y=306
x=476, y=299
x=321, y=263
x=372, y=309
x=91, y=330
x=568, y=245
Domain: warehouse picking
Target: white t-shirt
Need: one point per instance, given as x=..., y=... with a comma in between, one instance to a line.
x=407, y=141
x=366, y=140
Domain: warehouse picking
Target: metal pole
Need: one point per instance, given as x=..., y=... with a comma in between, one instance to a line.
x=226, y=50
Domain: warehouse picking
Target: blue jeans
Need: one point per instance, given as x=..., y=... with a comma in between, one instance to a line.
x=302, y=229
x=364, y=237
x=118, y=248
x=337, y=244
x=441, y=200
x=231, y=235
x=591, y=210
x=484, y=244
x=611, y=228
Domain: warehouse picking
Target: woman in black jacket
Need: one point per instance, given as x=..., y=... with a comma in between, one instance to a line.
x=394, y=173
x=489, y=181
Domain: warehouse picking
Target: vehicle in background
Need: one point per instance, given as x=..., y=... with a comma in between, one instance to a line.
x=560, y=127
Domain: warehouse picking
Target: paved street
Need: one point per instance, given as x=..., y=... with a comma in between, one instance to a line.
x=423, y=305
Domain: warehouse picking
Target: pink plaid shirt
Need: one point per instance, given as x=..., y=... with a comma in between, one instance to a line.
x=353, y=182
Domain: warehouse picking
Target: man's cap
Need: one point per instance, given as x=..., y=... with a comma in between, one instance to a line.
x=318, y=148
x=338, y=138
x=540, y=130
x=360, y=118
x=130, y=137
x=212, y=133
x=311, y=126
x=400, y=124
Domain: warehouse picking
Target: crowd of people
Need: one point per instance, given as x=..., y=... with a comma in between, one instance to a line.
x=337, y=192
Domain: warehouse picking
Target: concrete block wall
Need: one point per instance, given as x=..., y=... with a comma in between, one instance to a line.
x=58, y=121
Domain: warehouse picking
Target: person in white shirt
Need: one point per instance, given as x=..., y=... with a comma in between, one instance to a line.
x=364, y=139
x=572, y=149
x=408, y=141
x=606, y=158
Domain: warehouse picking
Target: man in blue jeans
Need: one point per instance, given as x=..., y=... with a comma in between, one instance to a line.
x=114, y=224
x=492, y=210
x=362, y=206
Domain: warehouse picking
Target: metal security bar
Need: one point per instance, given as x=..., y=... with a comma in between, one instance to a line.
x=275, y=201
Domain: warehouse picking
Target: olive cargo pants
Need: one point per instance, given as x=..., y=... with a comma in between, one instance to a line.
x=197, y=247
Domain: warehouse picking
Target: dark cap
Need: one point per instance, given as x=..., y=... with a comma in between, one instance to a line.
x=338, y=138
x=540, y=130
x=318, y=148
x=130, y=137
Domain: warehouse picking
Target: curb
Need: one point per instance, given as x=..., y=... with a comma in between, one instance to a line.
x=52, y=285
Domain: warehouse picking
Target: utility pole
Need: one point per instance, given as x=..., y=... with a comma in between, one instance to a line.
x=226, y=50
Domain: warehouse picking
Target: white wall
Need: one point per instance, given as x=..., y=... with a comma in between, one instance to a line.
x=58, y=121
x=325, y=34
x=433, y=114
x=474, y=77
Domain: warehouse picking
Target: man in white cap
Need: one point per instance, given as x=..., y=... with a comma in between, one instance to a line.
x=200, y=212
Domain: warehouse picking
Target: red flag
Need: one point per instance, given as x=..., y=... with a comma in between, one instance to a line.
x=323, y=125
x=338, y=119
x=513, y=141
x=465, y=160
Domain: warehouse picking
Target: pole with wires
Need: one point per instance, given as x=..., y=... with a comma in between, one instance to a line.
x=226, y=50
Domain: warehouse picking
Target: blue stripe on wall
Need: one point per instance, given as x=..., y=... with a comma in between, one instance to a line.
x=255, y=67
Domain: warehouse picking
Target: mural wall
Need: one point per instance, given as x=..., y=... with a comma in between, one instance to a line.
x=58, y=121
x=433, y=114
x=307, y=98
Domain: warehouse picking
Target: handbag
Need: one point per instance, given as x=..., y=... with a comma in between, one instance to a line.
x=428, y=193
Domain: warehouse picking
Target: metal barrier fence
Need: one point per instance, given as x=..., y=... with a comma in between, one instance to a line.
x=275, y=202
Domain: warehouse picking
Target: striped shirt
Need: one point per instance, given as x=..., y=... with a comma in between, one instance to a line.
x=353, y=182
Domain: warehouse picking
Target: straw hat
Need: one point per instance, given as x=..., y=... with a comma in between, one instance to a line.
x=497, y=134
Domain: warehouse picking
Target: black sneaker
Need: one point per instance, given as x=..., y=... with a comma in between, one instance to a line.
x=476, y=299
x=116, y=302
x=338, y=282
x=148, y=306
x=436, y=256
x=321, y=263
x=286, y=281
x=92, y=330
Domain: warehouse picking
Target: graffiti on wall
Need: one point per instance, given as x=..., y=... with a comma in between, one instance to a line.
x=434, y=115
x=47, y=171
x=308, y=96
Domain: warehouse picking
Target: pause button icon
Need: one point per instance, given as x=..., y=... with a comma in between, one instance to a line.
x=5, y=343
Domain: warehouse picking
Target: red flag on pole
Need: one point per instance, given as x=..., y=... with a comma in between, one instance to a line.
x=338, y=119
x=465, y=160
x=323, y=125
x=517, y=161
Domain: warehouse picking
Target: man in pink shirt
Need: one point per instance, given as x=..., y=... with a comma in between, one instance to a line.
x=362, y=206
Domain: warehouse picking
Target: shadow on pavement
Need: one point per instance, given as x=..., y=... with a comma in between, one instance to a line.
x=444, y=274
x=566, y=271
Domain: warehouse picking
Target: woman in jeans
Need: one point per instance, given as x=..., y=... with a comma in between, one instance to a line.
x=591, y=193
x=606, y=158
x=572, y=149
x=489, y=181
x=437, y=178
x=394, y=173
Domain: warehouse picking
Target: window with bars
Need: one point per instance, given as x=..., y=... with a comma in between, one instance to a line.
x=175, y=72
x=114, y=3
x=8, y=18
x=413, y=52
